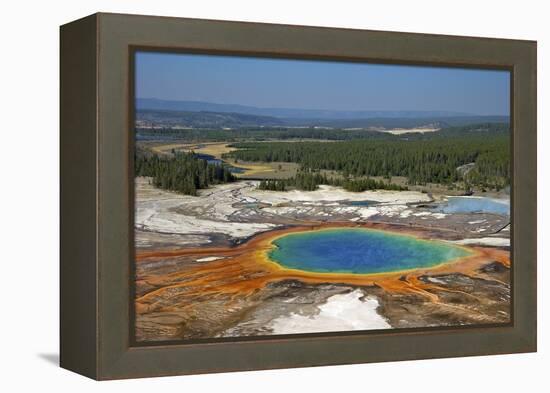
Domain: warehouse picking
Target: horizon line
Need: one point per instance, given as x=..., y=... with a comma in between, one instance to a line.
x=459, y=113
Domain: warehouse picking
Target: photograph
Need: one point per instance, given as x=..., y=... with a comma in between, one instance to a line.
x=284, y=196
x=262, y=197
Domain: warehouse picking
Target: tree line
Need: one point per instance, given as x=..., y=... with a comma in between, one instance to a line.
x=421, y=161
x=331, y=134
x=181, y=172
x=255, y=133
x=308, y=180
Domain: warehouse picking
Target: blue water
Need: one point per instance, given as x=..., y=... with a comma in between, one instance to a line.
x=475, y=205
x=208, y=158
x=360, y=203
x=360, y=251
x=216, y=161
x=233, y=169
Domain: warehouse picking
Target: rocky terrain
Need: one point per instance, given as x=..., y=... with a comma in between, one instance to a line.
x=201, y=274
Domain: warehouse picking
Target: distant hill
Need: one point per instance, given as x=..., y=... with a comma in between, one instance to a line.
x=486, y=130
x=288, y=113
x=207, y=119
x=166, y=118
x=410, y=122
x=489, y=129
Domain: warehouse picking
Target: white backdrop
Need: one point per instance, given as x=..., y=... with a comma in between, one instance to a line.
x=29, y=193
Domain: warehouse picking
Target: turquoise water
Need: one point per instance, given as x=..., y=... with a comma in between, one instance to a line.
x=476, y=205
x=360, y=251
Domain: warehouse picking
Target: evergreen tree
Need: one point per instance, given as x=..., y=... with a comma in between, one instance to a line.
x=181, y=172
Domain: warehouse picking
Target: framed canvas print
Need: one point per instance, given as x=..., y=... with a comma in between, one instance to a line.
x=240, y=196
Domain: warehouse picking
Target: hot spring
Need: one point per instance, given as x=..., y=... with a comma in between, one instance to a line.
x=360, y=251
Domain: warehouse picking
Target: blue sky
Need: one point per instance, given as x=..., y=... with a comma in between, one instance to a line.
x=306, y=84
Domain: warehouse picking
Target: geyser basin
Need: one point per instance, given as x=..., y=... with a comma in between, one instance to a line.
x=359, y=251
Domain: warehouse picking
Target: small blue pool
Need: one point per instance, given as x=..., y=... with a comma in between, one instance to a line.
x=470, y=204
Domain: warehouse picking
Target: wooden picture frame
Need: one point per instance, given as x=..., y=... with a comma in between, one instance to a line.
x=97, y=195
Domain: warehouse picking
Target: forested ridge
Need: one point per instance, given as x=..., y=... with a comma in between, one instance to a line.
x=180, y=172
x=255, y=133
x=331, y=134
x=210, y=118
x=420, y=159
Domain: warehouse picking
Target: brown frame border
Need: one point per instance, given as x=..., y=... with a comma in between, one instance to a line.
x=96, y=178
